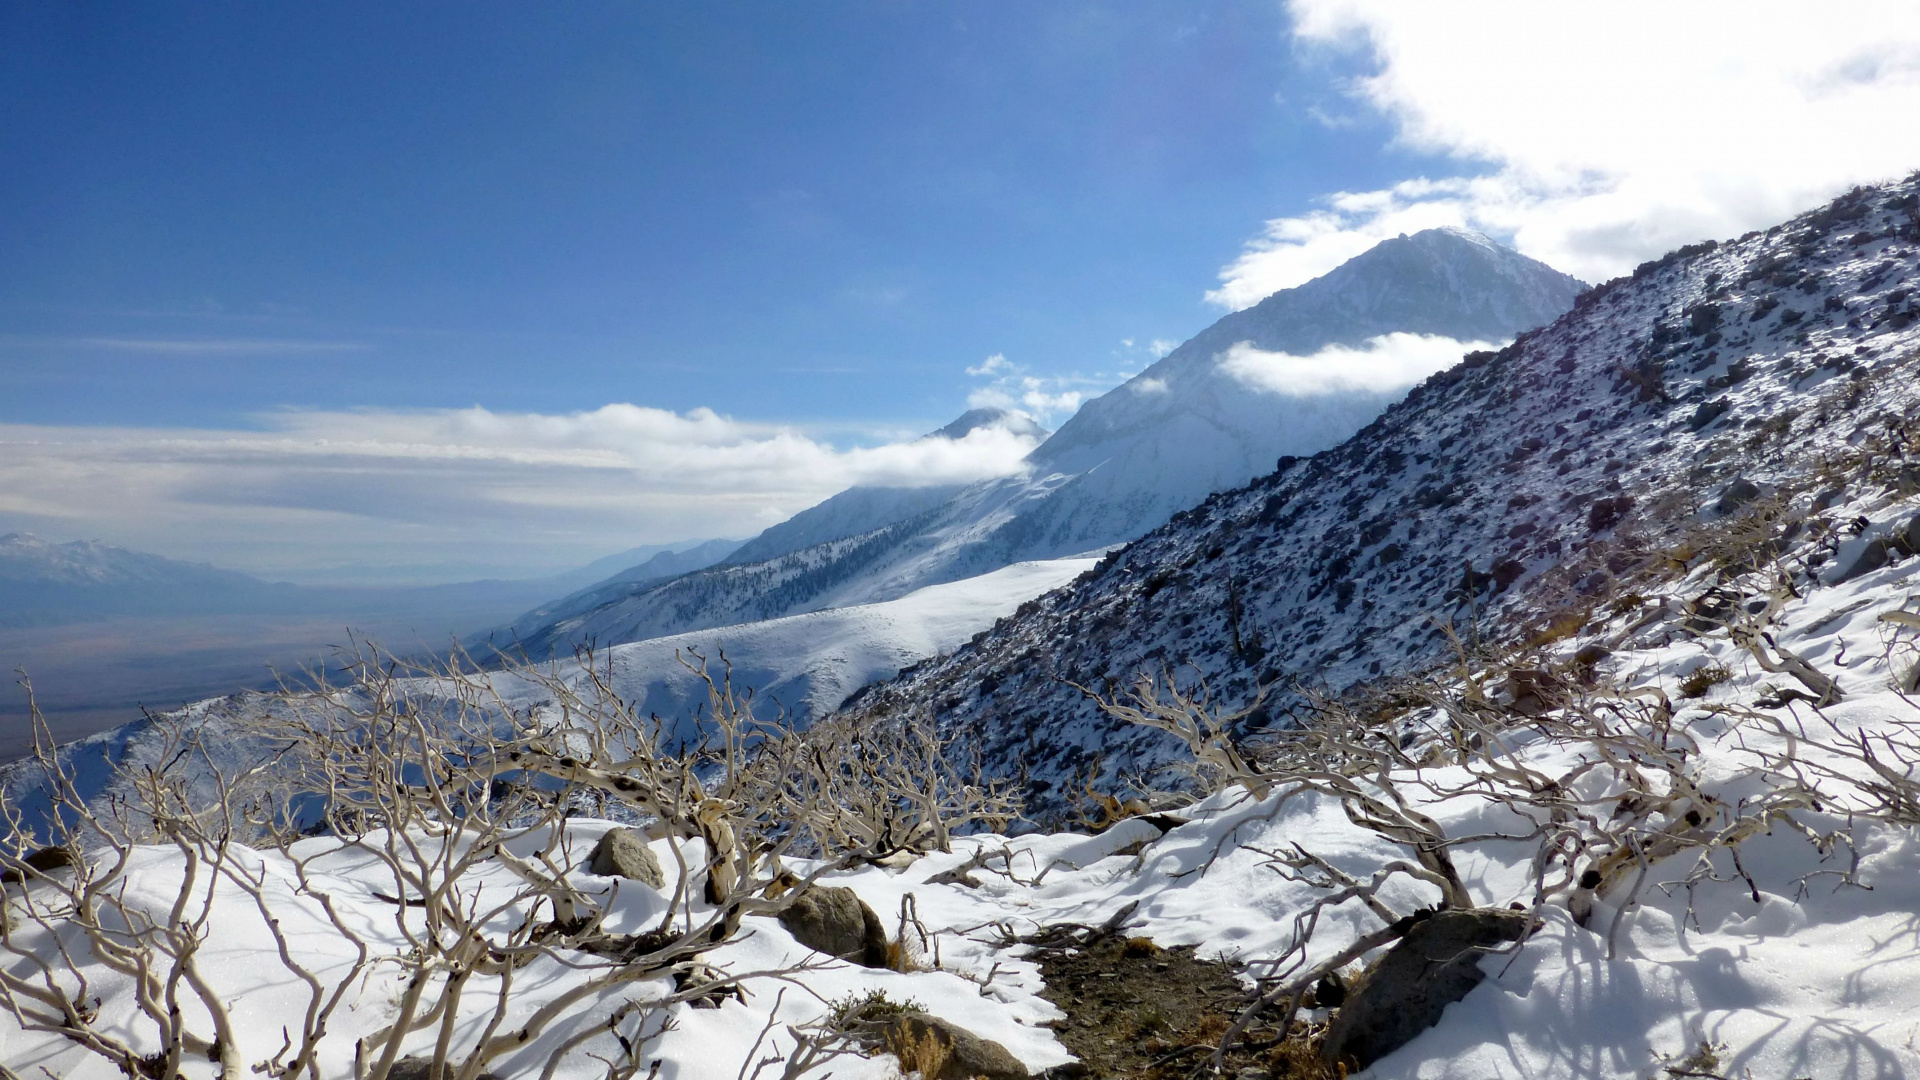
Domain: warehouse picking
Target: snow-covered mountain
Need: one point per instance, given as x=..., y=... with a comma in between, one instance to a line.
x=863, y=509
x=652, y=561
x=41, y=580
x=1189, y=425
x=807, y=665
x=1510, y=490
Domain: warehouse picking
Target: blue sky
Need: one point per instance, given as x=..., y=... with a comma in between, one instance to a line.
x=810, y=213
x=419, y=292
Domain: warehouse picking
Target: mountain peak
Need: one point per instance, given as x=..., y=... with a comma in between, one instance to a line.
x=1010, y=420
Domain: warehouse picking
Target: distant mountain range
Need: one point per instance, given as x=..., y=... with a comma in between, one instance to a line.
x=46, y=583
x=1180, y=430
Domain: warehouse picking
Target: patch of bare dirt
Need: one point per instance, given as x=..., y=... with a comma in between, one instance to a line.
x=1137, y=1010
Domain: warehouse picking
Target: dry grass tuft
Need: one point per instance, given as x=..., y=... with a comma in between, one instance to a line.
x=921, y=1051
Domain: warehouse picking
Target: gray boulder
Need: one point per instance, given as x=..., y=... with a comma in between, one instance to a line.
x=1873, y=555
x=624, y=853
x=1737, y=494
x=1908, y=538
x=837, y=922
x=962, y=1054
x=421, y=1068
x=1435, y=965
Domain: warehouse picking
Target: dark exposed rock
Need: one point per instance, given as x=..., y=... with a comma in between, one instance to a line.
x=624, y=853
x=1736, y=495
x=420, y=1068
x=1606, y=513
x=1591, y=654
x=1873, y=555
x=1908, y=538
x=837, y=922
x=967, y=1055
x=43, y=861
x=1435, y=965
x=1707, y=413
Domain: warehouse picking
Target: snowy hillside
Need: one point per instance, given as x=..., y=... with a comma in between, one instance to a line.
x=803, y=666
x=863, y=509
x=1188, y=425
x=1510, y=490
x=806, y=665
x=1684, y=862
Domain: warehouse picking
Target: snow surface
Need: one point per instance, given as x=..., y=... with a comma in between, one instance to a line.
x=1803, y=976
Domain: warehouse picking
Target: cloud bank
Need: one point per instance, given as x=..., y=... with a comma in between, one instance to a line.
x=450, y=493
x=1602, y=137
x=1386, y=364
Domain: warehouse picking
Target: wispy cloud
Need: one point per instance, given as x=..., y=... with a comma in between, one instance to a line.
x=1048, y=398
x=1385, y=364
x=529, y=490
x=199, y=346
x=1667, y=124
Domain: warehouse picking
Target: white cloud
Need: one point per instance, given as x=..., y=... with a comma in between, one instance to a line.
x=1149, y=386
x=1049, y=399
x=529, y=490
x=992, y=365
x=1606, y=136
x=1386, y=364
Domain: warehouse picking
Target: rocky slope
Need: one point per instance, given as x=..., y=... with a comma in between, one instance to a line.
x=1501, y=493
x=1183, y=428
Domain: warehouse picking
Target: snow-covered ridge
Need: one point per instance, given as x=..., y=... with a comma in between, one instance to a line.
x=1508, y=487
x=1125, y=462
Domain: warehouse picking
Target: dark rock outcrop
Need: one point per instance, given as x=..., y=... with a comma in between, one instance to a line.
x=1435, y=965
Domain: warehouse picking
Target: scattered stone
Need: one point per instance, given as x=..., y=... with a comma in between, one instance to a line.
x=897, y=860
x=1737, y=494
x=709, y=986
x=1711, y=611
x=420, y=1068
x=1606, y=513
x=624, y=853
x=1591, y=654
x=1435, y=965
x=965, y=1056
x=837, y=922
x=1707, y=413
x=1908, y=539
x=1873, y=555
x=43, y=861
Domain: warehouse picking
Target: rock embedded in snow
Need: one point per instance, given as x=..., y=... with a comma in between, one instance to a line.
x=421, y=1068
x=966, y=1056
x=624, y=853
x=1403, y=994
x=835, y=921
